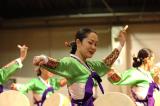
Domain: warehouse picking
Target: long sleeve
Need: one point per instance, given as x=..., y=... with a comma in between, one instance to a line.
x=7, y=71
x=25, y=88
x=74, y=71
x=62, y=68
x=55, y=82
x=132, y=77
x=37, y=86
x=111, y=58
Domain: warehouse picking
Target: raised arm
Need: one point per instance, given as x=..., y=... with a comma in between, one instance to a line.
x=23, y=54
x=110, y=59
x=10, y=68
x=128, y=77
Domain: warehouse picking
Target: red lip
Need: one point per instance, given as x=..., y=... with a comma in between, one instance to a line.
x=91, y=52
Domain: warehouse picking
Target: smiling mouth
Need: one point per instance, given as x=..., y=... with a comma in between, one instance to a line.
x=91, y=52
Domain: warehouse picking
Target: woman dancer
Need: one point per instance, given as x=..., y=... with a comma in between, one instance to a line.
x=139, y=77
x=82, y=75
x=7, y=70
x=42, y=86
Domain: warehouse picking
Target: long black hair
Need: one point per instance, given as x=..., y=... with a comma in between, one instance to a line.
x=142, y=54
x=81, y=34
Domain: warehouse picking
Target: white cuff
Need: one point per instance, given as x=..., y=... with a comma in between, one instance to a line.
x=18, y=86
x=19, y=62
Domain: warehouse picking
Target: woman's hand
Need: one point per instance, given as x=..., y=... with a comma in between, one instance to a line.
x=23, y=51
x=44, y=60
x=122, y=36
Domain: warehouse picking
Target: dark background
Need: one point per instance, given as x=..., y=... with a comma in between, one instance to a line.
x=11, y=9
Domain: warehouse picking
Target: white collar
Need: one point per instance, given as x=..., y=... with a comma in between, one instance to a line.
x=44, y=82
x=142, y=70
x=84, y=64
x=146, y=73
x=72, y=55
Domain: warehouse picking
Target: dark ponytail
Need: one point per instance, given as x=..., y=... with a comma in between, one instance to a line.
x=81, y=34
x=137, y=62
x=73, y=46
x=142, y=54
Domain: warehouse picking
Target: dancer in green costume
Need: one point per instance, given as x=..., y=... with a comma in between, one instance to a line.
x=42, y=86
x=9, y=69
x=78, y=70
x=144, y=90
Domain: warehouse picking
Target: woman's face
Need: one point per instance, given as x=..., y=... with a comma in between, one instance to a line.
x=88, y=46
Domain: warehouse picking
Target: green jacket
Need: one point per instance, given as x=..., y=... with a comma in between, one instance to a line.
x=74, y=71
x=6, y=72
x=37, y=86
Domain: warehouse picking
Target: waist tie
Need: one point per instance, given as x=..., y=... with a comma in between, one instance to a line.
x=150, y=93
x=149, y=100
x=88, y=97
x=1, y=88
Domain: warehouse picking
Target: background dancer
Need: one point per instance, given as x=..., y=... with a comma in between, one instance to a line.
x=9, y=69
x=42, y=86
x=144, y=89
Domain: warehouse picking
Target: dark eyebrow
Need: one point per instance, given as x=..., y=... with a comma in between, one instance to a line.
x=92, y=40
